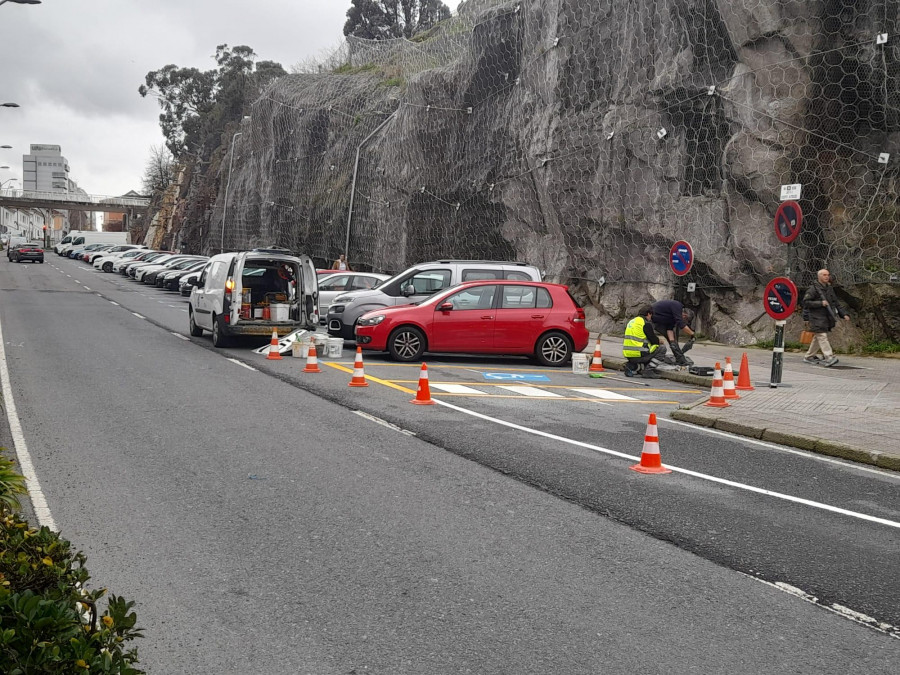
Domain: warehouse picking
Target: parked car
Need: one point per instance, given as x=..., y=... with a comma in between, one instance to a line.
x=416, y=284
x=106, y=262
x=144, y=271
x=481, y=317
x=253, y=293
x=188, y=281
x=75, y=252
x=169, y=280
x=131, y=270
x=30, y=250
x=332, y=285
x=112, y=250
x=121, y=266
x=152, y=276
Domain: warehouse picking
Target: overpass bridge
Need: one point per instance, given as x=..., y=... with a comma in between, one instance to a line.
x=61, y=201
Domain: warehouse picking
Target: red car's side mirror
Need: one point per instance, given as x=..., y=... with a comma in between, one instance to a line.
x=445, y=306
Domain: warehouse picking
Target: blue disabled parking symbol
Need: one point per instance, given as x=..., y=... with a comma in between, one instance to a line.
x=516, y=377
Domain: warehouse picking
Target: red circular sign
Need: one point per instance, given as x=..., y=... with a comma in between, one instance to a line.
x=788, y=219
x=681, y=258
x=780, y=298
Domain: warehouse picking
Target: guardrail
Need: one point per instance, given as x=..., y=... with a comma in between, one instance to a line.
x=139, y=202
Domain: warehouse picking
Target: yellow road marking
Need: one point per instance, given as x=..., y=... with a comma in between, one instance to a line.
x=541, y=385
x=488, y=369
x=370, y=378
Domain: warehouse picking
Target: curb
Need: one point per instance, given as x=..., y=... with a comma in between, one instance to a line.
x=818, y=445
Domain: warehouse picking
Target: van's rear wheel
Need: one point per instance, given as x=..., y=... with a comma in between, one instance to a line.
x=219, y=339
x=196, y=331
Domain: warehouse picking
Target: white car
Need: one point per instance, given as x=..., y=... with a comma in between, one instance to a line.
x=332, y=285
x=106, y=262
x=144, y=270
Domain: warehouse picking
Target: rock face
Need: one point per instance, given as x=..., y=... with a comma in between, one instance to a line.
x=588, y=137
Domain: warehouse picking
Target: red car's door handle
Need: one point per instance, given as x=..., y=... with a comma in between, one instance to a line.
x=537, y=316
x=487, y=316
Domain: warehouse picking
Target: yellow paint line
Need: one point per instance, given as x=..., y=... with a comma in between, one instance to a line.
x=487, y=369
x=551, y=386
x=370, y=378
x=592, y=399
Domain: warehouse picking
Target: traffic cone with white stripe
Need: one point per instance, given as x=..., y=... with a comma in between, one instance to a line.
x=728, y=383
x=597, y=361
x=359, y=376
x=650, y=458
x=717, y=395
x=274, y=348
x=312, y=360
x=423, y=394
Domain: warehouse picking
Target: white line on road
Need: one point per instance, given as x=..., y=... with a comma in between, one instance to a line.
x=179, y=335
x=243, y=365
x=114, y=303
x=456, y=389
x=884, y=473
x=603, y=393
x=384, y=423
x=139, y=316
x=38, y=501
x=687, y=472
x=529, y=391
x=86, y=288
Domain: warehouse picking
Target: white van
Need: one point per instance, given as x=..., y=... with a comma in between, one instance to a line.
x=78, y=239
x=253, y=293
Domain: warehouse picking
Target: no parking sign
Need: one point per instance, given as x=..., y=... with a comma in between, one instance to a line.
x=788, y=219
x=681, y=258
x=780, y=298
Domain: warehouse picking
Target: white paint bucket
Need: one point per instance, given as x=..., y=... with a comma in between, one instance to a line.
x=334, y=348
x=280, y=311
x=581, y=363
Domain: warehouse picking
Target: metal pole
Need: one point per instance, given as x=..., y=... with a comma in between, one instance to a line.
x=353, y=185
x=227, y=185
x=777, y=355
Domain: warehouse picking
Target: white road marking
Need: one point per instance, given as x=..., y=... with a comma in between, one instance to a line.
x=456, y=389
x=676, y=469
x=86, y=288
x=38, y=501
x=114, y=303
x=529, y=391
x=179, y=335
x=384, y=423
x=791, y=451
x=603, y=393
x=139, y=316
x=243, y=365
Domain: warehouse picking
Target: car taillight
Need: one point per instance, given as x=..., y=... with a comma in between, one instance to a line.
x=229, y=285
x=579, y=316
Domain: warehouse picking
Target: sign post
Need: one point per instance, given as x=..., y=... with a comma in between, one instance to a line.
x=780, y=299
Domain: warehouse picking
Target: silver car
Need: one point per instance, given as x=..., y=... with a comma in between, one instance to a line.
x=333, y=285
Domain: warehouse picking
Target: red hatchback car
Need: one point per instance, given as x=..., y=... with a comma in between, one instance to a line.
x=481, y=317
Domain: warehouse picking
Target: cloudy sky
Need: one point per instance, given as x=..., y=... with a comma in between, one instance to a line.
x=74, y=67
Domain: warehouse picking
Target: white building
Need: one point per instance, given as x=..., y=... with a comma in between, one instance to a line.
x=45, y=170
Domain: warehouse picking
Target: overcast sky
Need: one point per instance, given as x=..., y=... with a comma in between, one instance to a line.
x=74, y=67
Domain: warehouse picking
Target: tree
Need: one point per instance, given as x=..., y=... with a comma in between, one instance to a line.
x=159, y=171
x=383, y=19
x=197, y=105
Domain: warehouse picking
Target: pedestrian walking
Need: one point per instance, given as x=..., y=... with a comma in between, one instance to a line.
x=821, y=305
x=641, y=347
x=670, y=317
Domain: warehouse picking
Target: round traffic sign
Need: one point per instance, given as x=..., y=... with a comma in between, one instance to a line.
x=780, y=298
x=681, y=258
x=788, y=219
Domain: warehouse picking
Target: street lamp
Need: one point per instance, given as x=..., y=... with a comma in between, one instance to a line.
x=228, y=184
x=22, y=2
x=9, y=105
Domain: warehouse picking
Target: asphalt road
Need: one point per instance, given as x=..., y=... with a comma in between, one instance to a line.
x=264, y=525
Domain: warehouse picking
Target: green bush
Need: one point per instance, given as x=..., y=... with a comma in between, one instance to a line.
x=49, y=622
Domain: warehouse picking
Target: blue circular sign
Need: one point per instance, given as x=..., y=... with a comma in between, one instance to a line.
x=681, y=258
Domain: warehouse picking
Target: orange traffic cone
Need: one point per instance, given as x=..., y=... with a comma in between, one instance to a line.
x=423, y=394
x=717, y=395
x=728, y=382
x=650, y=459
x=359, y=376
x=312, y=360
x=274, y=347
x=597, y=361
x=743, y=383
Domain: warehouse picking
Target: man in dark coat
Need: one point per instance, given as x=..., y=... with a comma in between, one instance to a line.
x=822, y=306
x=670, y=317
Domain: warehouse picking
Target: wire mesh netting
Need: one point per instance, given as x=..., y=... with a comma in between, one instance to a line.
x=588, y=137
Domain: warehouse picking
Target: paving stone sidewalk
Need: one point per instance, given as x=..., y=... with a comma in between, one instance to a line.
x=851, y=410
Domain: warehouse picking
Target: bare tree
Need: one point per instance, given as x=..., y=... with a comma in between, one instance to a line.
x=159, y=171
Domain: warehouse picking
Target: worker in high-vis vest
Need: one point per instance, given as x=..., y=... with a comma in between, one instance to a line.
x=641, y=347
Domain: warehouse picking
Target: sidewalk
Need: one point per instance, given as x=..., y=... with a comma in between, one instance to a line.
x=851, y=410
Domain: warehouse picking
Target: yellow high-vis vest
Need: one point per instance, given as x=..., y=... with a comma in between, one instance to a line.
x=635, y=343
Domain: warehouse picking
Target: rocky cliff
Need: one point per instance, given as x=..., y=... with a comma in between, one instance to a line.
x=588, y=137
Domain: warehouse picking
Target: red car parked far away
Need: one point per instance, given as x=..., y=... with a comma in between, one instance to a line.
x=481, y=317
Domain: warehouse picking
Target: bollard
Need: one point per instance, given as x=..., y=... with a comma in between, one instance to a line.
x=777, y=355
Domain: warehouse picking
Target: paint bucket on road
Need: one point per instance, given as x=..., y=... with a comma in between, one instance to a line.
x=334, y=348
x=581, y=363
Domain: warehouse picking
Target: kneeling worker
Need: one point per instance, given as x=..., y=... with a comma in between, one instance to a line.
x=641, y=347
x=669, y=317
